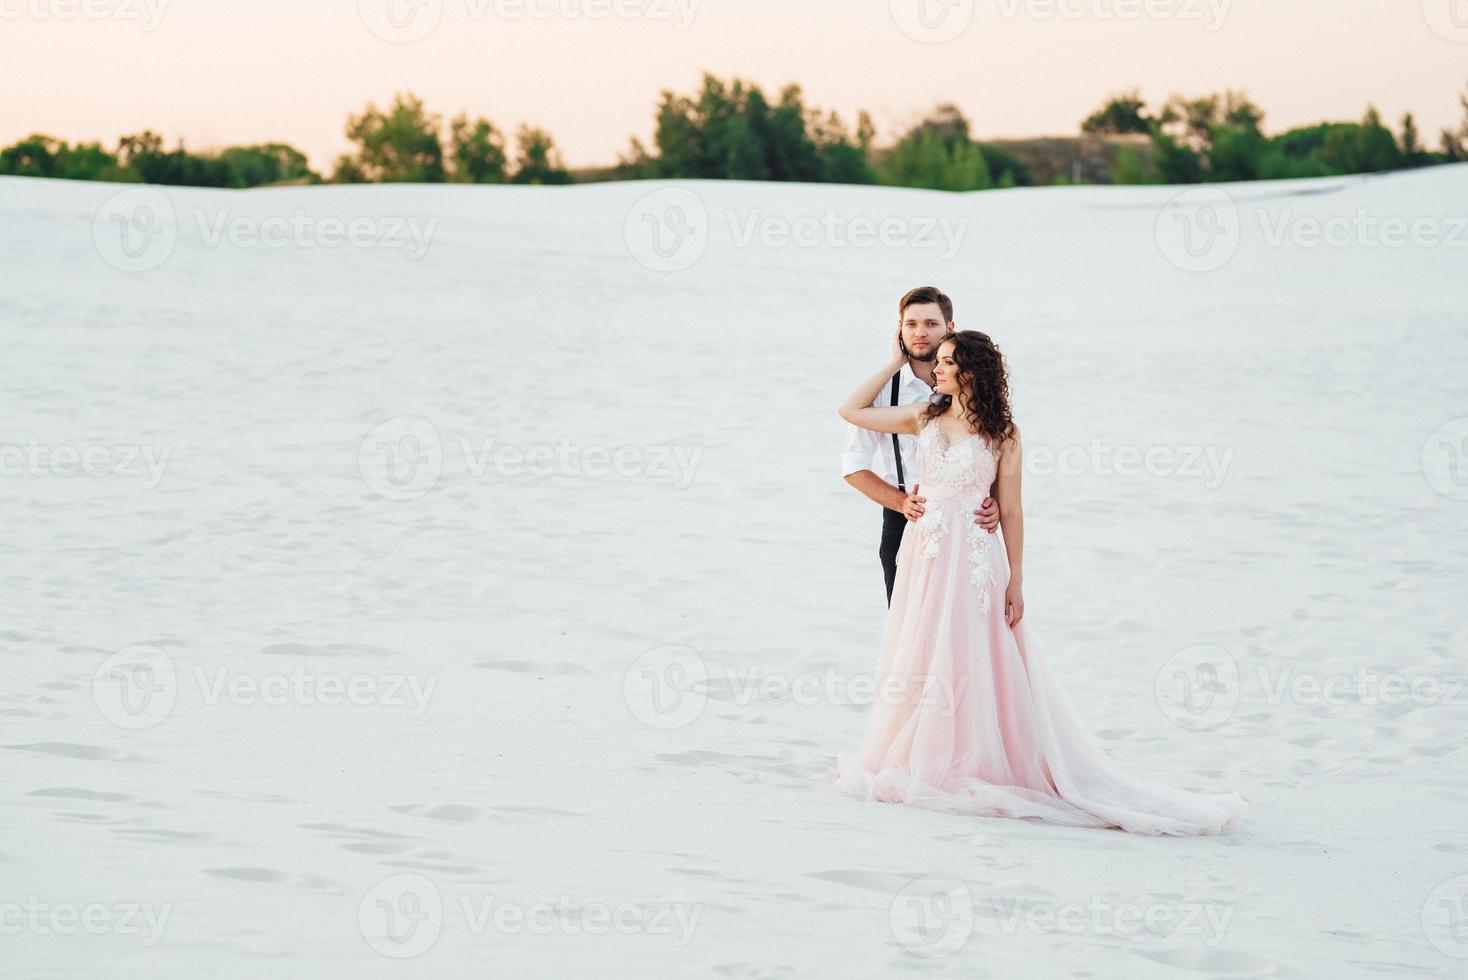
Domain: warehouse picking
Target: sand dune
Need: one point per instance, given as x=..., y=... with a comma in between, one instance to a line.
x=484, y=599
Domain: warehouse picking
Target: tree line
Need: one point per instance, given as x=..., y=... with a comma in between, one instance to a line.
x=732, y=130
x=1220, y=137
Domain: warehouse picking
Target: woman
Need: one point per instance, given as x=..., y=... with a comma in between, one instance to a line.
x=967, y=717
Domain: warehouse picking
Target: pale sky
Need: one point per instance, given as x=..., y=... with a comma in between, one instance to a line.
x=220, y=73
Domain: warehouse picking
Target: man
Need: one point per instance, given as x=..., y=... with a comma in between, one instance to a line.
x=869, y=461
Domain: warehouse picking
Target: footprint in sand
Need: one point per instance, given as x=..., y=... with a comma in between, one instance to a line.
x=248, y=874
x=1214, y=961
x=77, y=793
x=452, y=812
x=73, y=750
x=554, y=669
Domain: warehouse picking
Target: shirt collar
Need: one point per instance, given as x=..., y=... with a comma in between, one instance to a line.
x=909, y=378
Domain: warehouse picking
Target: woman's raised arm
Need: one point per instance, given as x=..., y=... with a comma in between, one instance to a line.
x=858, y=409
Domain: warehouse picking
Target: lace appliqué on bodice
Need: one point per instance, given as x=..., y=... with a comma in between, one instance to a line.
x=959, y=472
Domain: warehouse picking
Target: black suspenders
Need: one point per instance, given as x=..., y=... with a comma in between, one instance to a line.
x=897, y=449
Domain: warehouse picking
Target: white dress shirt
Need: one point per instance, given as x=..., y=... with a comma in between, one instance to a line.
x=868, y=450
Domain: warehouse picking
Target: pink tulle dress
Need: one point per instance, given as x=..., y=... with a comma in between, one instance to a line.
x=966, y=717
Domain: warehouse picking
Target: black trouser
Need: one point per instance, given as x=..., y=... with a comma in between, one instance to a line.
x=893, y=524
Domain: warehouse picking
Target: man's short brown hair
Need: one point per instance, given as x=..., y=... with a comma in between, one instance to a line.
x=926, y=294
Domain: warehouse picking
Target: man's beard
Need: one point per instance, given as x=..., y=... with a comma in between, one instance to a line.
x=928, y=358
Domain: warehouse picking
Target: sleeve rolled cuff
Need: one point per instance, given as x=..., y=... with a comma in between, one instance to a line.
x=856, y=462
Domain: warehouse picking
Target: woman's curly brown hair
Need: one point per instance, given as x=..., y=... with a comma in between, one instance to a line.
x=984, y=377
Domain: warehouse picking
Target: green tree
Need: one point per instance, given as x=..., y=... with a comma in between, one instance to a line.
x=538, y=161
x=477, y=151
x=1412, y=153
x=1235, y=152
x=1174, y=162
x=1132, y=169
x=398, y=145
x=731, y=131
x=1455, y=141
x=1123, y=113
x=1006, y=169
x=34, y=156
x=1193, y=122
x=928, y=160
x=1365, y=148
x=271, y=163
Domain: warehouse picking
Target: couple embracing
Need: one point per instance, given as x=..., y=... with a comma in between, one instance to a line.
x=967, y=718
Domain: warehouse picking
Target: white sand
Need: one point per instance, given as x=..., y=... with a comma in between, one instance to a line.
x=518, y=774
